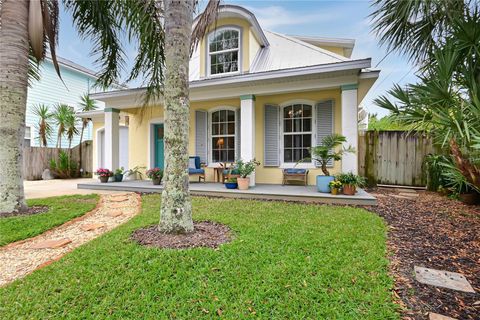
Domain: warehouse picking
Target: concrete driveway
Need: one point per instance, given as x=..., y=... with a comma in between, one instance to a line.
x=58, y=187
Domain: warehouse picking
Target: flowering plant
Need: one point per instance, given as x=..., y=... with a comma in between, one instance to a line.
x=335, y=184
x=102, y=172
x=155, y=173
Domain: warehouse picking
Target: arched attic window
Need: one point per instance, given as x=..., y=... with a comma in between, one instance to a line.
x=223, y=51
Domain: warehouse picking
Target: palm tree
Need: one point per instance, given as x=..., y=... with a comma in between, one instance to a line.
x=60, y=116
x=446, y=100
x=87, y=105
x=29, y=27
x=328, y=151
x=71, y=129
x=43, y=126
x=176, y=206
x=415, y=28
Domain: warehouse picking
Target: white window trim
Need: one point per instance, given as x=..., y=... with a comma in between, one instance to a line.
x=29, y=137
x=303, y=165
x=212, y=164
x=208, y=54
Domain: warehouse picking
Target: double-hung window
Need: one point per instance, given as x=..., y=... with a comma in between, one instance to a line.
x=297, y=132
x=223, y=136
x=224, y=51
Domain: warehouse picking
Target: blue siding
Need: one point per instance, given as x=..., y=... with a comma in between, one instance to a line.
x=50, y=90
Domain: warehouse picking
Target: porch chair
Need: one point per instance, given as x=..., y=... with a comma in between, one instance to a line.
x=294, y=174
x=195, y=168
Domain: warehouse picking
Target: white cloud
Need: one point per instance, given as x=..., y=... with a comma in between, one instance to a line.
x=275, y=16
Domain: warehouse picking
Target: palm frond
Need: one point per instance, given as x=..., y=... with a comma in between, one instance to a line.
x=206, y=18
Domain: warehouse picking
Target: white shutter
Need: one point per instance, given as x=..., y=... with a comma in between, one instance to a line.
x=271, y=136
x=238, y=134
x=201, y=135
x=324, y=127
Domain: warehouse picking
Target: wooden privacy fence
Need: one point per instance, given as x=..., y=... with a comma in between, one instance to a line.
x=37, y=159
x=394, y=157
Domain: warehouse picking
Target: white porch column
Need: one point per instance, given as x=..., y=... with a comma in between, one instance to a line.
x=112, y=142
x=247, y=130
x=350, y=126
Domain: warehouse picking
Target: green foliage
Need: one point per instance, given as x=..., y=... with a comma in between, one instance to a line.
x=335, y=184
x=446, y=100
x=433, y=163
x=328, y=151
x=44, y=125
x=60, y=210
x=65, y=167
x=246, y=168
x=120, y=171
x=334, y=257
x=135, y=171
x=387, y=123
x=351, y=179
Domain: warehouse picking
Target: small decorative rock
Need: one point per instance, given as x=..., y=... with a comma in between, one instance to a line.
x=47, y=175
x=51, y=244
x=436, y=316
x=115, y=214
x=445, y=279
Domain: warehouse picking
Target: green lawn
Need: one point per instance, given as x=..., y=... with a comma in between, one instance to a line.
x=61, y=209
x=287, y=261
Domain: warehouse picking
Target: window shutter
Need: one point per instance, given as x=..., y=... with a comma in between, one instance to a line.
x=271, y=136
x=325, y=114
x=201, y=135
x=238, y=135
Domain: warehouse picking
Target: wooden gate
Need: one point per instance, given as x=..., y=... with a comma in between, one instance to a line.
x=394, y=157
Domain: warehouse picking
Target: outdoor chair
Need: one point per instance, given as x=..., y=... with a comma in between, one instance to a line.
x=295, y=175
x=195, y=168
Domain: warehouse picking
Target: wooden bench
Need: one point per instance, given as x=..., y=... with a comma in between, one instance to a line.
x=295, y=175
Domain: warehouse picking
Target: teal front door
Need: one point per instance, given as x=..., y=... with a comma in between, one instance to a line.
x=158, y=145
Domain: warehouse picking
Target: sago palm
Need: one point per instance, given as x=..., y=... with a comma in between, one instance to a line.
x=43, y=126
x=331, y=149
x=60, y=116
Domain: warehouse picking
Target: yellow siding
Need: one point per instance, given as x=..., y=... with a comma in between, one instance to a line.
x=245, y=44
x=337, y=50
x=139, y=132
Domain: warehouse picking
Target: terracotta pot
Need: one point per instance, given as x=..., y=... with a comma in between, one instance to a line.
x=156, y=181
x=334, y=191
x=349, y=190
x=104, y=179
x=243, y=183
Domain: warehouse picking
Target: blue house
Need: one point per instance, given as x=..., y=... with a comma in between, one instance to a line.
x=50, y=90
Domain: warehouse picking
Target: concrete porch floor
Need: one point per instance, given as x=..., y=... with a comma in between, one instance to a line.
x=260, y=191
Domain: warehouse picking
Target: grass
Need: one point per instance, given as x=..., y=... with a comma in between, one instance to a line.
x=287, y=261
x=61, y=209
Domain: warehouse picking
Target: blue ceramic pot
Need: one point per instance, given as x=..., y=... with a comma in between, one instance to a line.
x=322, y=183
x=231, y=185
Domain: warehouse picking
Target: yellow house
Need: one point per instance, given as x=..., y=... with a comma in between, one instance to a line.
x=254, y=94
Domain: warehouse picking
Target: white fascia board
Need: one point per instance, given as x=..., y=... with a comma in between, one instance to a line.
x=335, y=42
x=369, y=73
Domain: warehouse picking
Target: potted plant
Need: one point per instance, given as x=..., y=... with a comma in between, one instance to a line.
x=350, y=182
x=335, y=187
x=244, y=170
x=119, y=174
x=231, y=183
x=134, y=173
x=156, y=174
x=326, y=154
x=103, y=174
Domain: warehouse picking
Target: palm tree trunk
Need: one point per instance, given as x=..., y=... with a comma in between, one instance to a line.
x=13, y=95
x=176, y=207
x=80, y=149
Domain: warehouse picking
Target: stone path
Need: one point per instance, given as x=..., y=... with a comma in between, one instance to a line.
x=20, y=258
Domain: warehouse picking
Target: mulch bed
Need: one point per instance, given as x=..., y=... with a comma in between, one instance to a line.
x=28, y=212
x=206, y=234
x=435, y=232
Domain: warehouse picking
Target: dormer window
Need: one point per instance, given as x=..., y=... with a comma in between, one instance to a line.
x=224, y=51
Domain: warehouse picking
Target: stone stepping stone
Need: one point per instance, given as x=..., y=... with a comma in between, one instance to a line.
x=92, y=226
x=115, y=214
x=51, y=244
x=403, y=197
x=406, y=190
x=436, y=316
x=119, y=199
x=445, y=279
x=117, y=206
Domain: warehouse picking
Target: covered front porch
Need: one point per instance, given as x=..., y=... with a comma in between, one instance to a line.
x=260, y=192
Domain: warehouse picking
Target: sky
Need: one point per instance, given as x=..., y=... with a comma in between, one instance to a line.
x=337, y=19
